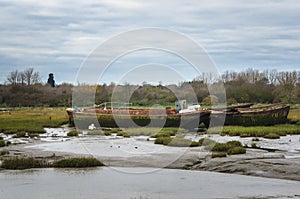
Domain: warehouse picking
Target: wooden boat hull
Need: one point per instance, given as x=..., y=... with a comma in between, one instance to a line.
x=258, y=116
x=243, y=115
x=121, y=120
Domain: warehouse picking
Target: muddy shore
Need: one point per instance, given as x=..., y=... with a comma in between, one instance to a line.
x=254, y=163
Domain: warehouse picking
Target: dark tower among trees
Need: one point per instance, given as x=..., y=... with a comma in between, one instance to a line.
x=51, y=80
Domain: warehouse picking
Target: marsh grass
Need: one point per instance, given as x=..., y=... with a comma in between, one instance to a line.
x=259, y=131
x=230, y=148
x=294, y=114
x=17, y=163
x=218, y=155
x=272, y=136
x=236, y=150
x=176, y=142
x=77, y=163
x=23, y=163
x=32, y=120
x=124, y=134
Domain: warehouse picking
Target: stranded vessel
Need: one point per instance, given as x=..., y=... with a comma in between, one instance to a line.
x=190, y=117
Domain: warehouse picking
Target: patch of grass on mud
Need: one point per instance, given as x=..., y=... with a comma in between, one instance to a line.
x=23, y=163
x=176, y=142
x=16, y=163
x=77, y=163
x=230, y=148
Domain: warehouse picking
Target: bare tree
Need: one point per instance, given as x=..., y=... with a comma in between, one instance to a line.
x=28, y=75
x=272, y=76
x=21, y=78
x=13, y=77
x=287, y=78
x=36, y=78
x=287, y=81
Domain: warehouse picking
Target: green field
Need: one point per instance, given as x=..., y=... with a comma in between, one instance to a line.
x=31, y=120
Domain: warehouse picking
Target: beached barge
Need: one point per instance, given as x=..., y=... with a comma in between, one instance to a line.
x=249, y=115
x=191, y=117
x=132, y=117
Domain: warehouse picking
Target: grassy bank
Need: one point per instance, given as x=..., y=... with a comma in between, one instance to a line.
x=31, y=120
x=259, y=131
x=16, y=163
x=23, y=163
x=294, y=115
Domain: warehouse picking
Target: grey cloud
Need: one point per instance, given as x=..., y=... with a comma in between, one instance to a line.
x=58, y=35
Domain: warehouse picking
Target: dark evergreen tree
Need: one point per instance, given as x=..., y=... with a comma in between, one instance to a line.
x=51, y=80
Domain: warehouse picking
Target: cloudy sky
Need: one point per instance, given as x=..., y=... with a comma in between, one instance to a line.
x=58, y=35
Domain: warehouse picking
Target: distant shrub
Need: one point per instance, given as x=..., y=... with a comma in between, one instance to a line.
x=236, y=150
x=72, y=133
x=231, y=101
x=77, y=163
x=23, y=163
x=272, y=136
x=218, y=154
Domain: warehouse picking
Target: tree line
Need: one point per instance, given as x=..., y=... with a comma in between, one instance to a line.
x=25, y=88
x=28, y=77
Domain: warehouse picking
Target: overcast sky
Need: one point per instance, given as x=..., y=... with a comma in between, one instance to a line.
x=57, y=36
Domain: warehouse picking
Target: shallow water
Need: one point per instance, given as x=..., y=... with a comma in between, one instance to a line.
x=111, y=183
